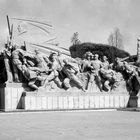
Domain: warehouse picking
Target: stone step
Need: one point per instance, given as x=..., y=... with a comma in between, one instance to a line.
x=69, y=101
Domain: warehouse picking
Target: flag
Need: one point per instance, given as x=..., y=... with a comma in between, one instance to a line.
x=37, y=33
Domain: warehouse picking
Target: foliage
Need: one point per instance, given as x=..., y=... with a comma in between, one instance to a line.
x=78, y=50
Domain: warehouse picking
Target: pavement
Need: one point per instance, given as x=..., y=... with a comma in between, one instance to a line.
x=70, y=125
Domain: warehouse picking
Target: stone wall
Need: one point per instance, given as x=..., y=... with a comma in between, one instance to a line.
x=68, y=102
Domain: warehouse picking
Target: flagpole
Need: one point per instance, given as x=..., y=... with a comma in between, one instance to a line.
x=8, y=23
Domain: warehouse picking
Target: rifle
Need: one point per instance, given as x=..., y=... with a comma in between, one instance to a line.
x=25, y=46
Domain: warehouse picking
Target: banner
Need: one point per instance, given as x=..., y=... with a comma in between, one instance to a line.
x=36, y=33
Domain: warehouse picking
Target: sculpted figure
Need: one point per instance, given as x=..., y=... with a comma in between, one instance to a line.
x=42, y=69
x=7, y=62
x=71, y=70
x=95, y=68
x=17, y=59
x=35, y=75
x=86, y=63
x=105, y=63
x=119, y=83
x=133, y=80
x=111, y=79
x=107, y=75
x=41, y=61
x=32, y=74
x=130, y=70
x=54, y=70
x=86, y=69
x=136, y=83
x=118, y=64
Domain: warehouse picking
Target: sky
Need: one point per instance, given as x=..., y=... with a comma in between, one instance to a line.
x=93, y=19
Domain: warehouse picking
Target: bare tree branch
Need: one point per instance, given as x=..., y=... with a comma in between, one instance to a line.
x=116, y=39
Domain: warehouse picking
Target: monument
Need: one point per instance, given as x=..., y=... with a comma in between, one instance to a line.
x=40, y=81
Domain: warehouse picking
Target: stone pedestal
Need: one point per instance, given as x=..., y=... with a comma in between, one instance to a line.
x=69, y=101
x=133, y=102
x=10, y=96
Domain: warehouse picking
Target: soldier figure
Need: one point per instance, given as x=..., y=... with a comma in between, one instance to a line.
x=17, y=59
x=95, y=68
x=130, y=70
x=85, y=69
x=41, y=61
x=7, y=62
x=71, y=69
x=54, y=71
x=107, y=76
x=118, y=64
x=32, y=74
x=105, y=63
x=86, y=63
x=117, y=80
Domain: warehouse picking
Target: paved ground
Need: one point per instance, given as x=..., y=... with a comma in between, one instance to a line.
x=81, y=125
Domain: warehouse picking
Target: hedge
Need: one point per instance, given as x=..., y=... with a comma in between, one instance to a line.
x=78, y=51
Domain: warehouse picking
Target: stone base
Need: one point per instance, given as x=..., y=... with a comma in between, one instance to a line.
x=10, y=96
x=133, y=102
x=68, y=101
x=138, y=101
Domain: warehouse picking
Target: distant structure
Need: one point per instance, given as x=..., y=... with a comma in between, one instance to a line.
x=116, y=39
x=138, y=52
x=75, y=39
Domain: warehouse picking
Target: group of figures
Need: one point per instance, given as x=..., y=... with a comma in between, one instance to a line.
x=56, y=72
x=103, y=76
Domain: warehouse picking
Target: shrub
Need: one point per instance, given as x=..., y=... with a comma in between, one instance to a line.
x=78, y=50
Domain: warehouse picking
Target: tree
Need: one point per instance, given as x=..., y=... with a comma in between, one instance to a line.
x=75, y=39
x=116, y=39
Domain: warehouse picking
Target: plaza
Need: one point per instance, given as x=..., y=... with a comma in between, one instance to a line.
x=70, y=125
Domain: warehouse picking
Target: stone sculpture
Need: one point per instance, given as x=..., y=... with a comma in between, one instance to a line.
x=55, y=72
